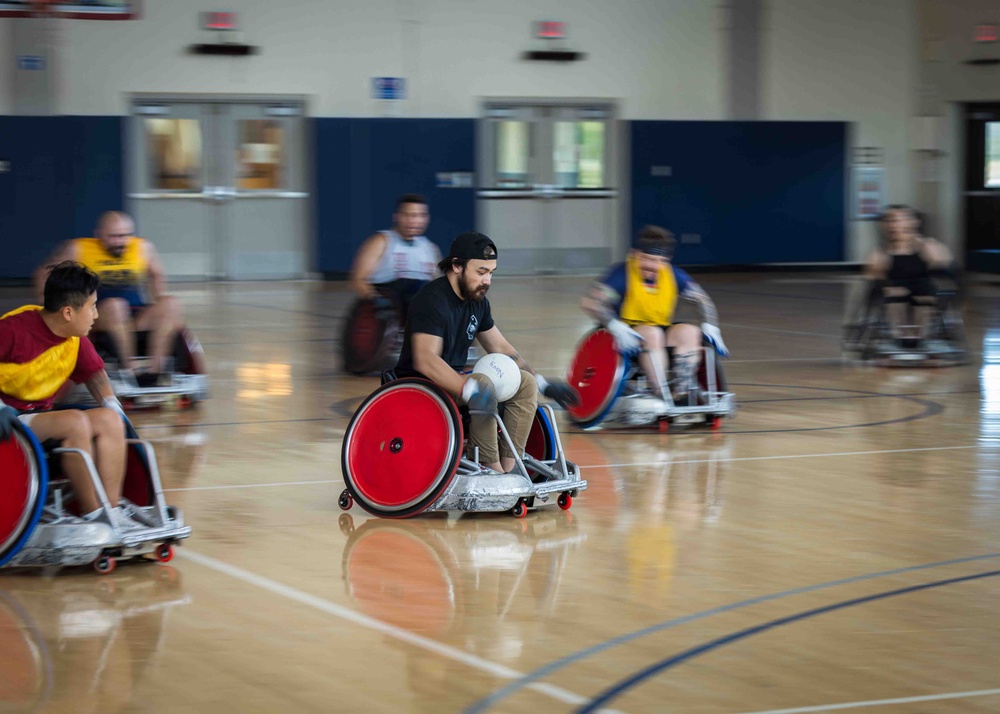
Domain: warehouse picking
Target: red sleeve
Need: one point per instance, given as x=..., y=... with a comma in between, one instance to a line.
x=88, y=362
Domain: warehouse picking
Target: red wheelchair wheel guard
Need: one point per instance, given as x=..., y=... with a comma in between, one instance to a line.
x=23, y=490
x=541, y=443
x=598, y=375
x=367, y=339
x=402, y=448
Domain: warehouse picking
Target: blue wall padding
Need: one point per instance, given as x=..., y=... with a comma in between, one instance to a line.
x=755, y=192
x=64, y=172
x=363, y=165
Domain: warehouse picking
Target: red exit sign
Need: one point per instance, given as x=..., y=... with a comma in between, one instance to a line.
x=550, y=30
x=219, y=20
x=987, y=33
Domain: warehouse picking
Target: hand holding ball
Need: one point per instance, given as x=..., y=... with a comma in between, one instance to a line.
x=503, y=372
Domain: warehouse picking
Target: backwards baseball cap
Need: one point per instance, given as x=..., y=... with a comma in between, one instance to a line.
x=473, y=246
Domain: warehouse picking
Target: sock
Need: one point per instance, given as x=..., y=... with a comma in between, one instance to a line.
x=684, y=368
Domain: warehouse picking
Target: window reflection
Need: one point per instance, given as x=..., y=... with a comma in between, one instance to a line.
x=513, y=152
x=174, y=147
x=263, y=379
x=989, y=378
x=261, y=155
x=579, y=154
x=992, y=154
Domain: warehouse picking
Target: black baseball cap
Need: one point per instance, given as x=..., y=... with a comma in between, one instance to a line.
x=473, y=246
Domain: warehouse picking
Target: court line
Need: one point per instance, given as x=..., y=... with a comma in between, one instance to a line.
x=559, y=664
x=624, y=685
x=785, y=456
x=357, y=618
x=608, y=466
x=882, y=702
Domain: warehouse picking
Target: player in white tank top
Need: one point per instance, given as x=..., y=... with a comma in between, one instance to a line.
x=403, y=255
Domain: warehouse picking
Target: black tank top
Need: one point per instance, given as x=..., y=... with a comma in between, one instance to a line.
x=907, y=267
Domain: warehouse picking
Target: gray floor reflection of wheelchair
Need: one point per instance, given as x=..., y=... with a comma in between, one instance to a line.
x=404, y=454
x=935, y=338
x=39, y=520
x=614, y=394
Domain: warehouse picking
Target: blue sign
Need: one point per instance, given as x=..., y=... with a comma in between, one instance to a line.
x=31, y=63
x=389, y=87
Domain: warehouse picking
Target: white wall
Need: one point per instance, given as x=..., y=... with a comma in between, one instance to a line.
x=660, y=57
x=847, y=60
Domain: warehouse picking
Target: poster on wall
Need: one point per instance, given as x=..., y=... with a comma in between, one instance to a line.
x=869, y=190
x=73, y=9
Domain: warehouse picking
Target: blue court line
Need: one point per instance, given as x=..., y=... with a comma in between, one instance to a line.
x=626, y=684
x=556, y=665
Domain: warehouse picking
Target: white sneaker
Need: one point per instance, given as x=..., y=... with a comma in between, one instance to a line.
x=123, y=522
x=135, y=513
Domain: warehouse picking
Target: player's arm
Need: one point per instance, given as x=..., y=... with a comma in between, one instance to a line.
x=599, y=302
x=427, y=360
x=99, y=387
x=157, y=276
x=365, y=261
x=936, y=254
x=67, y=250
x=694, y=294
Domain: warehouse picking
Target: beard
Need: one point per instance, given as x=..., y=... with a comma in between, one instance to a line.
x=469, y=291
x=116, y=251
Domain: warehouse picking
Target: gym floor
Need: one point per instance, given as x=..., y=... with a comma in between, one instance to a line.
x=835, y=546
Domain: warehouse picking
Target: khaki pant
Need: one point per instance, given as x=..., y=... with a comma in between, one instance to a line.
x=518, y=414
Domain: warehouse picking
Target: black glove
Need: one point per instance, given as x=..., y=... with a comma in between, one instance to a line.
x=479, y=398
x=559, y=392
x=8, y=417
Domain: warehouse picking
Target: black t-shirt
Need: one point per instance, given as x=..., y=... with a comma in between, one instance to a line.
x=437, y=310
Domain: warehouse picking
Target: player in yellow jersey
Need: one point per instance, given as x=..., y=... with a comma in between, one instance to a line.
x=132, y=297
x=636, y=301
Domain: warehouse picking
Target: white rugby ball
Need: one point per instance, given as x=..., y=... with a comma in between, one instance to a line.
x=504, y=373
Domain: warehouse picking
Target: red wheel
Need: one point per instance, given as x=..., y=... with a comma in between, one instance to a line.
x=369, y=336
x=664, y=426
x=165, y=553
x=184, y=402
x=715, y=423
x=24, y=483
x=598, y=375
x=402, y=448
x=565, y=501
x=105, y=564
x=345, y=501
x=520, y=510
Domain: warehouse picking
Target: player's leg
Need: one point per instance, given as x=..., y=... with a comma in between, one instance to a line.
x=163, y=320
x=685, y=341
x=518, y=415
x=653, y=360
x=114, y=316
x=483, y=432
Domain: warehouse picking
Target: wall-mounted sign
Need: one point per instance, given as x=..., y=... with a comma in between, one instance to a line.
x=223, y=21
x=869, y=189
x=79, y=10
x=388, y=88
x=31, y=63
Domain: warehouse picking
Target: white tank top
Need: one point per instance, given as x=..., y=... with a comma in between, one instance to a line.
x=413, y=260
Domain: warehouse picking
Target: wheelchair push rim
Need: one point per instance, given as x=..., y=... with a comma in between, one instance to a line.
x=402, y=448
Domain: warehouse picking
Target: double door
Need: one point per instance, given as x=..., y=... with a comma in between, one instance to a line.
x=547, y=178
x=220, y=186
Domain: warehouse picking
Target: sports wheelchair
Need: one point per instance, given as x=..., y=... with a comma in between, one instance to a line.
x=870, y=335
x=403, y=454
x=39, y=519
x=184, y=385
x=614, y=394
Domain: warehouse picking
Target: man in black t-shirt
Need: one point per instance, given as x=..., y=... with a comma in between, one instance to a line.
x=445, y=316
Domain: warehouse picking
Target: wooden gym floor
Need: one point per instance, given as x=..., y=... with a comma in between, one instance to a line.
x=836, y=546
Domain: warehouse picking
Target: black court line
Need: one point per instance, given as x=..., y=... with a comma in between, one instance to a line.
x=930, y=408
x=624, y=685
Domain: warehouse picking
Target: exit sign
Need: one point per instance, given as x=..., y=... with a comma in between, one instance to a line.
x=987, y=33
x=219, y=20
x=550, y=30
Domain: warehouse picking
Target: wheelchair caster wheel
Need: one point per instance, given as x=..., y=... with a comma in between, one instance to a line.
x=520, y=510
x=346, y=501
x=105, y=564
x=565, y=501
x=664, y=426
x=165, y=553
x=714, y=423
